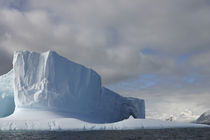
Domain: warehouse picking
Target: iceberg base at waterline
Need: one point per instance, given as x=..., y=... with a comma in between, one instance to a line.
x=48, y=121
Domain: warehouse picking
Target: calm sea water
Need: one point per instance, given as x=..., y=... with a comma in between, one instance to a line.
x=161, y=134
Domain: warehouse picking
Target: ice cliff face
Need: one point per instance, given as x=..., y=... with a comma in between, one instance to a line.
x=48, y=81
x=7, y=104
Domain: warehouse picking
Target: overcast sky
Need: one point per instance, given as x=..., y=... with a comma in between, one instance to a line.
x=155, y=50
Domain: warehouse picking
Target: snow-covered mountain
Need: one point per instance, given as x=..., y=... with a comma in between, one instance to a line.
x=204, y=118
x=52, y=83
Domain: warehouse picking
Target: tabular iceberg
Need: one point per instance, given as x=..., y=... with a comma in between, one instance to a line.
x=48, y=81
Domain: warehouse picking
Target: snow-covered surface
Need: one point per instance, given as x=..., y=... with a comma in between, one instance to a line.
x=53, y=122
x=7, y=104
x=35, y=119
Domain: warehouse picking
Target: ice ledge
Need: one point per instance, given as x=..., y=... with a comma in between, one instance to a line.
x=64, y=124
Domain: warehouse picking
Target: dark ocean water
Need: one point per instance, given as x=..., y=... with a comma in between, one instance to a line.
x=160, y=134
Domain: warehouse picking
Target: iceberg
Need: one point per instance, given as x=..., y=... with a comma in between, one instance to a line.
x=45, y=91
x=50, y=82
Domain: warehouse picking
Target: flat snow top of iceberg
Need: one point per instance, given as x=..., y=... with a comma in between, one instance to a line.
x=45, y=120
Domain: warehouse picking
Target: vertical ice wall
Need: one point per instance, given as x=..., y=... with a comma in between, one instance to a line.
x=50, y=81
x=7, y=104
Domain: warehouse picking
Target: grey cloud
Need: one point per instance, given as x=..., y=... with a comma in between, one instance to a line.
x=108, y=35
x=201, y=63
x=5, y=61
x=167, y=25
x=19, y=4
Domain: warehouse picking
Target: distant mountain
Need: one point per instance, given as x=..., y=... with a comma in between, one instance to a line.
x=204, y=118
